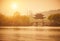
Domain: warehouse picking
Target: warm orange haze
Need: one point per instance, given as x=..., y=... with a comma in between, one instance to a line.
x=30, y=12
x=8, y=7
x=29, y=20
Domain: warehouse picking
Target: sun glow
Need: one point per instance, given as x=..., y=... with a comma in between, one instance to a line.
x=14, y=6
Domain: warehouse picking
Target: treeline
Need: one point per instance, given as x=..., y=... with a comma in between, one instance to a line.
x=15, y=20
x=18, y=20
x=54, y=19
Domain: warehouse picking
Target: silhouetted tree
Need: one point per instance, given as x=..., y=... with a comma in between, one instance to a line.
x=16, y=20
x=20, y=20
x=55, y=19
x=1, y=18
x=25, y=20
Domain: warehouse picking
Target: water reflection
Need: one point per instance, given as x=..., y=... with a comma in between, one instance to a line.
x=30, y=34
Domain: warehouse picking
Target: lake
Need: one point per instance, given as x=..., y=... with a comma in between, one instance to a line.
x=30, y=33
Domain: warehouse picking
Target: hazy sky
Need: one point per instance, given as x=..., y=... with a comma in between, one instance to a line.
x=33, y=5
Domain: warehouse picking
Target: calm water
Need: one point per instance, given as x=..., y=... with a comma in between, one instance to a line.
x=29, y=33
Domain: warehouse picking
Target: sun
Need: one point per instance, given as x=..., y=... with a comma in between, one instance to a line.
x=14, y=6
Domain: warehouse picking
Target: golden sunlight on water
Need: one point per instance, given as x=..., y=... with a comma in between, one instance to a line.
x=29, y=33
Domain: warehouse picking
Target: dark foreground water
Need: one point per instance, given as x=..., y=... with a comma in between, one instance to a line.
x=29, y=33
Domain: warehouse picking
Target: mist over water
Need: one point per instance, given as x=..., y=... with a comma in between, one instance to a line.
x=30, y=33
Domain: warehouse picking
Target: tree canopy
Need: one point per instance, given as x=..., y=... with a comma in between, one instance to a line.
x=16, y=20
x=55, y=18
